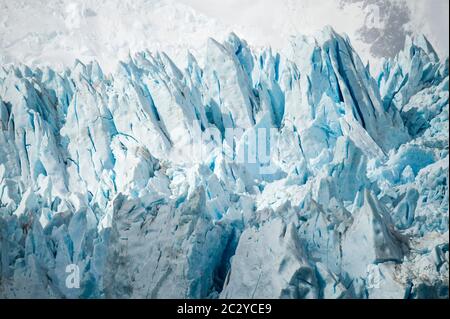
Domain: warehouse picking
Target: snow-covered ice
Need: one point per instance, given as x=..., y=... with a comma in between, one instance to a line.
x=108, y=172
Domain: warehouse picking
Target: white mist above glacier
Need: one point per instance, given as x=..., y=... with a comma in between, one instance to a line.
x=100, y=171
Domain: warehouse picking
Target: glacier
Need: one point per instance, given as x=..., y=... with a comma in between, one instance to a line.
x=104, y=172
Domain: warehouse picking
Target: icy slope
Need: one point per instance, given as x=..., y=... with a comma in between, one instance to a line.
x=134, y=179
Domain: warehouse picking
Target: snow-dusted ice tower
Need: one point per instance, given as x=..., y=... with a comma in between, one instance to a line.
x=100, y=199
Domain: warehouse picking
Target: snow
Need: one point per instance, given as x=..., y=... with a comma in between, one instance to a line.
x=58, y=32
x=55, y=33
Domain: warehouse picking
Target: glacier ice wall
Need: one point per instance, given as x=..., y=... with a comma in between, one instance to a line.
x=100, y=172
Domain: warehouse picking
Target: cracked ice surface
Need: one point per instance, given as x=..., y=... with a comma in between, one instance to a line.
x=94, y=173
